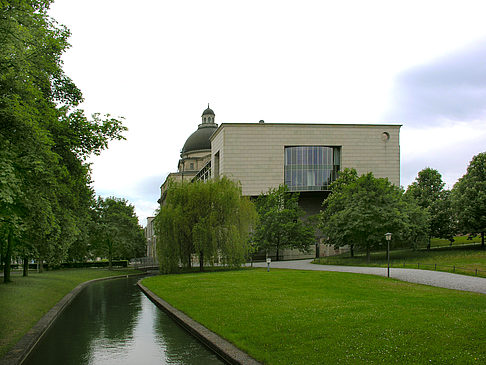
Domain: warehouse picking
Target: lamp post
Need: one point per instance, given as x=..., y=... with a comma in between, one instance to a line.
x=388, y=239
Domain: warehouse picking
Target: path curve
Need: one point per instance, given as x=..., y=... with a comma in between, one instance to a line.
x=427, y=277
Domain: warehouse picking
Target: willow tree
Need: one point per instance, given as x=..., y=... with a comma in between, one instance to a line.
x=210, y=220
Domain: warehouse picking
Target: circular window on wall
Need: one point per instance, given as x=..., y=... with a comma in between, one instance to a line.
x=385, y=136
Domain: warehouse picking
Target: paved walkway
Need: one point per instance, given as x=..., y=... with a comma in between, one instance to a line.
x=427, y=277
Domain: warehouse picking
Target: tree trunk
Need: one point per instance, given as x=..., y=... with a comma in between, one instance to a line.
x=368, y=254
x=1, y=254
x=40, y=264
x=8, y=258
x=189, y=261
x=482, y=240
x=352, y=250
x=201, y=261
x=428, y=245
x=110, y=259
x=25, y=266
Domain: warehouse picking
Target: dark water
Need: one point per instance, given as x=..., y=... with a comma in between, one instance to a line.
x=113, y=322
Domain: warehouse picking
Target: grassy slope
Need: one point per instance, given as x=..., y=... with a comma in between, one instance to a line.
x=470, y=258
x=303, y=317
x=24, y=301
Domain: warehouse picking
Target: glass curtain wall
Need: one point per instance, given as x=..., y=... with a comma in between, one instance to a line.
x=311, y=168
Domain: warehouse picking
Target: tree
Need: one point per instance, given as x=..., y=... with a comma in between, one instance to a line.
x=428, y=190
x=209, y=220
x=360, y=212
x=45, y=193
x=117, y=233
x=469, y=197
x=280, y=222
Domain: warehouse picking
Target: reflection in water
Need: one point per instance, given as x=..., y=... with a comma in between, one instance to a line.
x=112, y=322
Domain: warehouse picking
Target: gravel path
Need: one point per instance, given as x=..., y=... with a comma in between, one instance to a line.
x=427, y=277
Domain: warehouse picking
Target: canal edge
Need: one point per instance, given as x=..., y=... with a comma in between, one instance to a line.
x=223, y=348
x=19, y=352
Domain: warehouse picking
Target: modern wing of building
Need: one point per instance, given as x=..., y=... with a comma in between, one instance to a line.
x=305, y=157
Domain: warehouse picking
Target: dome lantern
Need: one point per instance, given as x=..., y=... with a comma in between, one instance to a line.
x=199, y=140
x=208, y=116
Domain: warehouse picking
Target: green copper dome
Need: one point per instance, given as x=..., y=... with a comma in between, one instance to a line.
x=199, y=140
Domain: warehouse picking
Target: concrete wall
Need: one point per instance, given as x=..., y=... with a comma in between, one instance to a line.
x=254, y=153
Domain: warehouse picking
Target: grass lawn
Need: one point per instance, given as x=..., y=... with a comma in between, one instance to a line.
x=24, y=301
x=458, y=240
x=465, y=259
x=311, y=317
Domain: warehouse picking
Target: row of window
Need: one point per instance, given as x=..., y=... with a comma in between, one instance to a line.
x=311, y=168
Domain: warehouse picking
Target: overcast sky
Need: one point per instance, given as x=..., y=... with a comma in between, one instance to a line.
x=421, y=64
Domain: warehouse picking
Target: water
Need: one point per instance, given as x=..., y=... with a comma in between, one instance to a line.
x=113, y=322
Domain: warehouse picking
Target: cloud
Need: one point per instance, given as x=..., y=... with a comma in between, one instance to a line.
x=448, y=148
x=452, y=88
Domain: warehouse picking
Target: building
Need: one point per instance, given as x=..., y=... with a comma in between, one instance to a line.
x=151, y=238
x=305, y=157
x=195, y=154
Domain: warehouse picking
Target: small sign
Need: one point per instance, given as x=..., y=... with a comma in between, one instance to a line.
x=269, y=260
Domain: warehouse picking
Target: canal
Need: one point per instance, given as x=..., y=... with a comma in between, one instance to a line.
x=113, y=322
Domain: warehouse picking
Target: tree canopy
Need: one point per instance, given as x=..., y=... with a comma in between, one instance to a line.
x=360, y=210
x=428, y=190
x=208, y=220
x=469, y=197
x=280, y=222
x=45, y=139
x=116, y=232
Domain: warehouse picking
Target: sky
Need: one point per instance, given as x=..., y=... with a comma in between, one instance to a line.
x=421, y=64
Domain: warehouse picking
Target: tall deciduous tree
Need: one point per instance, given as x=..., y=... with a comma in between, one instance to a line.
x=117, y=233
x=469, y=197
x=359, y=213
x=428, y=190
x=45, y=194
x=210, y=220
x=280, y=222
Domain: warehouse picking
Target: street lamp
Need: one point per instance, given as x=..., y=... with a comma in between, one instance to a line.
x=388, y=239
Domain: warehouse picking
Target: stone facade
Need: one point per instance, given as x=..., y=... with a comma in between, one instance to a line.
x=151, y=239
x=253, y=154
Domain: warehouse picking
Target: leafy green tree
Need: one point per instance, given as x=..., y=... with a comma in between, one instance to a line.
x=359, y=213
x=469, y=197
x=209, y=220
x=428, y=190
x=117, y=233
x=280, y=222
x=45, y=194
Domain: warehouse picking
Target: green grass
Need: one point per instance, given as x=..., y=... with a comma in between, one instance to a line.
x=461, y=260
x=310, y=317
x=458, y=240
x=24, y=301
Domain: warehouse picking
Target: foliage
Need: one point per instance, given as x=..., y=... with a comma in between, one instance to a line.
x=428, y=190
x=360, y=212
x=312, y=317
x=280, y=222
x=45, y=192
x=116, y=232
x=210, y=220
x=469, y=197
